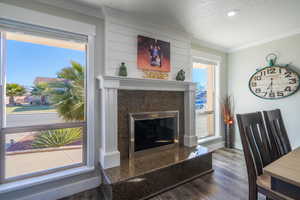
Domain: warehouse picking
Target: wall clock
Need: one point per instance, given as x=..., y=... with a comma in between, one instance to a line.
x=274, y=81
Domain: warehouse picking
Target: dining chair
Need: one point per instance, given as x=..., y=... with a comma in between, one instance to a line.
x=278, y=133
x=256, y=147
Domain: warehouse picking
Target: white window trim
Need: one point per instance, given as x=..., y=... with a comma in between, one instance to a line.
x=59, y=23
x=217, y=60
x=30, y=182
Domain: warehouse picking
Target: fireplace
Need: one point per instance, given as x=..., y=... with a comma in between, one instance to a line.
x=152, y=131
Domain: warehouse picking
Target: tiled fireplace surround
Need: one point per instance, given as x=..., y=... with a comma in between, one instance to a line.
x=121, y=96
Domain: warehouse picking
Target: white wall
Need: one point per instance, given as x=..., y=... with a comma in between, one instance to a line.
x=121, y=31
x=242, y=64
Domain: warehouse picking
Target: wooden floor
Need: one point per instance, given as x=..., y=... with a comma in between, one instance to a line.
x=228, y=182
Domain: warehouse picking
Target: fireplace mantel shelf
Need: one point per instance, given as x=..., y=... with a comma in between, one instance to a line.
x=127, y=83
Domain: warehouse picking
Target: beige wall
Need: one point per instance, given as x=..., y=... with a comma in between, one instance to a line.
x=242, y=64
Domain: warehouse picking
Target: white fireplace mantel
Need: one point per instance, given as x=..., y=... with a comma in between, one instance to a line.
x=109, y=86
x=124, y=83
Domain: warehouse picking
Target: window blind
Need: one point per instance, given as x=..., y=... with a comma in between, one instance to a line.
x=203, y=61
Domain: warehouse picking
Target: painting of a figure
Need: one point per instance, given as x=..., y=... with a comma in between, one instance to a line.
x=153, y=54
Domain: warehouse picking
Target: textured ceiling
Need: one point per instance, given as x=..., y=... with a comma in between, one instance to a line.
x=207, y=20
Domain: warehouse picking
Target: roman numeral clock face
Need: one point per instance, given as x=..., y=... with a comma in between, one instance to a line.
x=274, y=82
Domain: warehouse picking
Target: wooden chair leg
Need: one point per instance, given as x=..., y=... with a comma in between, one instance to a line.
x=253, y=193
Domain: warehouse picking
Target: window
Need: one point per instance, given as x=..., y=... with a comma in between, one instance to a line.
x=43, y=97
x=204, y=77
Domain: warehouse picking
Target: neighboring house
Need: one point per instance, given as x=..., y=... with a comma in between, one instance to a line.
x=41, y=80
x=20, y=99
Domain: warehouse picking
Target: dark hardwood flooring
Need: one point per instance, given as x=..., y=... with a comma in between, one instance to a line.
x=227, y=182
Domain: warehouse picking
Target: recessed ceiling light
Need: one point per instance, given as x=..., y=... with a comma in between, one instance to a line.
x=232, y=13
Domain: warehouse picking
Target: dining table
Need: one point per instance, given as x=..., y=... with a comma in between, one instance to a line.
x=285, y=174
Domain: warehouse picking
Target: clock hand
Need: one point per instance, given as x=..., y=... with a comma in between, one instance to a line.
x=271, y=85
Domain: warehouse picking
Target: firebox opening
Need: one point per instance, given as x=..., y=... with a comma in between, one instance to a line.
x=153, y=131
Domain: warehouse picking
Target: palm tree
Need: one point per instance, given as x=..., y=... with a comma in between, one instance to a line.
x=39, y=89
x=13, y=90
x=68, y=95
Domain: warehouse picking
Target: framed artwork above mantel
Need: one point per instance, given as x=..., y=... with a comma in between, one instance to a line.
x=153, y=54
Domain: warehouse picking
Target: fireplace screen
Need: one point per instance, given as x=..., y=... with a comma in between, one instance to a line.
x=153, y=131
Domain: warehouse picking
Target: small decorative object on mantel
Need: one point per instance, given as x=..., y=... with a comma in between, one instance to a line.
x=274, y=81
x=123, y=70
x=228, y=117
x=156, y=75
x=180, y=75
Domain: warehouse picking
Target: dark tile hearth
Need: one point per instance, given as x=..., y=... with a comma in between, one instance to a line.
x=143, y=177
x=229, y=181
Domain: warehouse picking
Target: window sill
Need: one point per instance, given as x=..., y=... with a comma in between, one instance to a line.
x=209, y=139
x=26, y=183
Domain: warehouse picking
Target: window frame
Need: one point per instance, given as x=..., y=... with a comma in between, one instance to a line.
x=61, y=24
x=39, y=127
x=212, y=111
x=198, y=56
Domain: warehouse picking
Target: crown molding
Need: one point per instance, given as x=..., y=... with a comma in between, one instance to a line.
x=76, y=7
x=266, y=40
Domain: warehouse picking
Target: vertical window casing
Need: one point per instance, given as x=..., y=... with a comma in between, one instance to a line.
x=204, y=76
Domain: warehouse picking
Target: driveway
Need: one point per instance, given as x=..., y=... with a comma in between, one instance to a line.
x=34, y=162
x=13, y=120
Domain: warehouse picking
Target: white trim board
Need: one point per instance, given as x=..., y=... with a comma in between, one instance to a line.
x=37, y=18
x=66, y=190
x=31, y=182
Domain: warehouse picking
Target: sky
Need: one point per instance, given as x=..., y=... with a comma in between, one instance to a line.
x=200, y=77
x=25, y=61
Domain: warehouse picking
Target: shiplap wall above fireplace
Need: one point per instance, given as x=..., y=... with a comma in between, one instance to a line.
x=121, y=31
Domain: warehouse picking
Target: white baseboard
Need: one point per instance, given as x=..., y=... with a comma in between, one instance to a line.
x=65, y=190
x=238, y=146
x=215, y=146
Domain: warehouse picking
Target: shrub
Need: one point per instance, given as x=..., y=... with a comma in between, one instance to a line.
x=57, y=138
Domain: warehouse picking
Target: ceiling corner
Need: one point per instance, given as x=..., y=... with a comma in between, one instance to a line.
x=210, y=45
